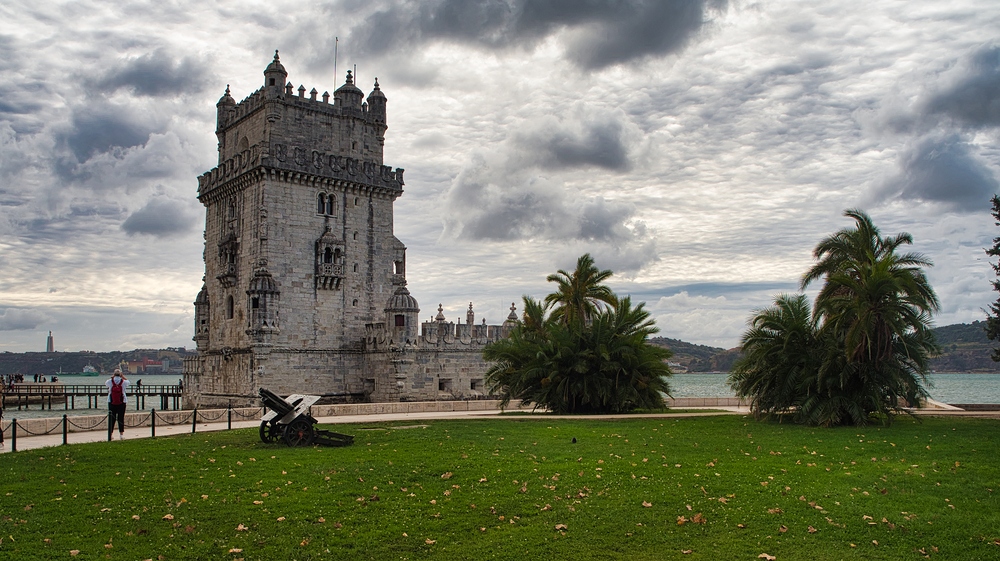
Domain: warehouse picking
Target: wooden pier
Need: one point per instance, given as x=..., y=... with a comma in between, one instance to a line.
x=68, y=396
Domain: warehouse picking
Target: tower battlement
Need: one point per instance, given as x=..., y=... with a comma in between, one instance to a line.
x=305, y=281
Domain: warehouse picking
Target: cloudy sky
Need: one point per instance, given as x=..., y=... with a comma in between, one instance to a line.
x=699, y=148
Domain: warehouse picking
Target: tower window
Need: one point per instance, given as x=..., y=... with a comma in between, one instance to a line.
x=355, y=235
x=229, y=307
x=397, y=267
x=328, y=256
x=355, y=267
x=354, y=302
x=271, y=81
x=321, y=206
x=329, y=204
x=400, y=320
x=255, y=302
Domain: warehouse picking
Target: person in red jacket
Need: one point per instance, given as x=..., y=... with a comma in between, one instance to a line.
x=117, y=401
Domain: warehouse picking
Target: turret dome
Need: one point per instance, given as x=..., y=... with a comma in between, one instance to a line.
x=401, y=301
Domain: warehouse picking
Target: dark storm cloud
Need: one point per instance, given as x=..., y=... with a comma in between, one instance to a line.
x=601, y=32
x=98, y=128
x=161, y=217
x=17, y=319
x=940, y=170
x=156, y=74
x=973, y=97
x=598, y=144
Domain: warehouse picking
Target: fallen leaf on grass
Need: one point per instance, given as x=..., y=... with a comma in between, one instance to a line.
x=304, y=542
x=782, y=528
x=235, y=550
x=74, y=552
x=241, y=528
x=774, y=511
x=686, y=551
x=321, y=520
x=812, y=530
x=681, y=520
x=766, y=557
x=699, y=519
x=135, y=517
x=741, y=526
x=429, y=541
x=168, y=517
x=446, y=475
x=561, y=527
x=646, y=504
x=281, y=519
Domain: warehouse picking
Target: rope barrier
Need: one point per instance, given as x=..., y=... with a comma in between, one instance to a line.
x=140, y=423
x=103, y=420
x=55, y=427
x=210, y=419
x=252, y=415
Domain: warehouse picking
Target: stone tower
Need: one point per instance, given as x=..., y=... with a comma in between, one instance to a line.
x=299, y=254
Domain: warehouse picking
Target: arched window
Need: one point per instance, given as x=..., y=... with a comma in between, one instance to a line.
x=328, y=256
x=229, y=307
x=354, y=302
x=355, y=267
x=231, y=210
x=337, y=257
x=329, y=204
x=321, y=206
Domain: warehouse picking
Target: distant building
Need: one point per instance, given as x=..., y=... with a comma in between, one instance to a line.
x=50, y=346
x=305, y=282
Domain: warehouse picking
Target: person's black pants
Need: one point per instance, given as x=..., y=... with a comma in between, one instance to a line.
x=117, y=415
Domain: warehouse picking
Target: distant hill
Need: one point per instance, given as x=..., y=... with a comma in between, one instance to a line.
x=964, y=348
x=29, y=364
x=697, y=358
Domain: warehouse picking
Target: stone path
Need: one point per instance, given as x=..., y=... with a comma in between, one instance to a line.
x=45, y=441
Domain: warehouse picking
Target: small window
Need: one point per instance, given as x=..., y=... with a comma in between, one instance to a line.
x=321, y=206
x=354, y=302
x=354, y=146
x=255, y=302
x=355, y=235
x=444, y=385
x=337, y=257
x=272, y=81
x=476, y=384
x=397, y=267
x=400, y=320
x=356, y=201
x=355, y=267
x=329, y=204
x=328, y=256
x=229, y=307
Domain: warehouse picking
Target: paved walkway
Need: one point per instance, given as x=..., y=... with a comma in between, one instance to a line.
x=44, y=441
x=56, y=439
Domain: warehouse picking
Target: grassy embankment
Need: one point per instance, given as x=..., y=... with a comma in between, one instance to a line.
x=700, y=488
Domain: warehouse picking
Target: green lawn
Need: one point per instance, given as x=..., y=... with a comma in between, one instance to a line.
x=518, y=487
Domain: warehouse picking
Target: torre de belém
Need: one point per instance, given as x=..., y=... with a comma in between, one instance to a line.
x=305, y=283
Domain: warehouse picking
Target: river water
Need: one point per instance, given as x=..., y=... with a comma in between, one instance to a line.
x=944, y=387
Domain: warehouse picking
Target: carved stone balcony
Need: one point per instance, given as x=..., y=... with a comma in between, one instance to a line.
x=329, y=275
x=228, y=275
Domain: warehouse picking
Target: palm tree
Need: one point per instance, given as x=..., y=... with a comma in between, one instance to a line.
x=579, y=295
x=779, y=357
x=598, y=361
x=877, y=305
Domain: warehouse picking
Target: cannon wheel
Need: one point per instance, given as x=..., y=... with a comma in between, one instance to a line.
x=269, y=432
x=299, y=433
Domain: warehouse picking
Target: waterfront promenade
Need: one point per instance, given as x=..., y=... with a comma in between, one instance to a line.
x=183, y=422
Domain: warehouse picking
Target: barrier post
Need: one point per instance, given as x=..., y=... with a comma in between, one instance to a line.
x=65, y=428
x=229, y=417
x=194, y=420
x=152, y=423
x=110, y=417
x=13, y=435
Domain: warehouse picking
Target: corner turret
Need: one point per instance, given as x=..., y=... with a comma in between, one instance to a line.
x=275, y=75
x=376, y=104
x=349, y=95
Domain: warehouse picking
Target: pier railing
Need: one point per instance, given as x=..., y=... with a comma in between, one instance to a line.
x=48, y=394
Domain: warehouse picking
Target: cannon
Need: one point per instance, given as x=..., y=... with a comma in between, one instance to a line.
x=289, y=420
